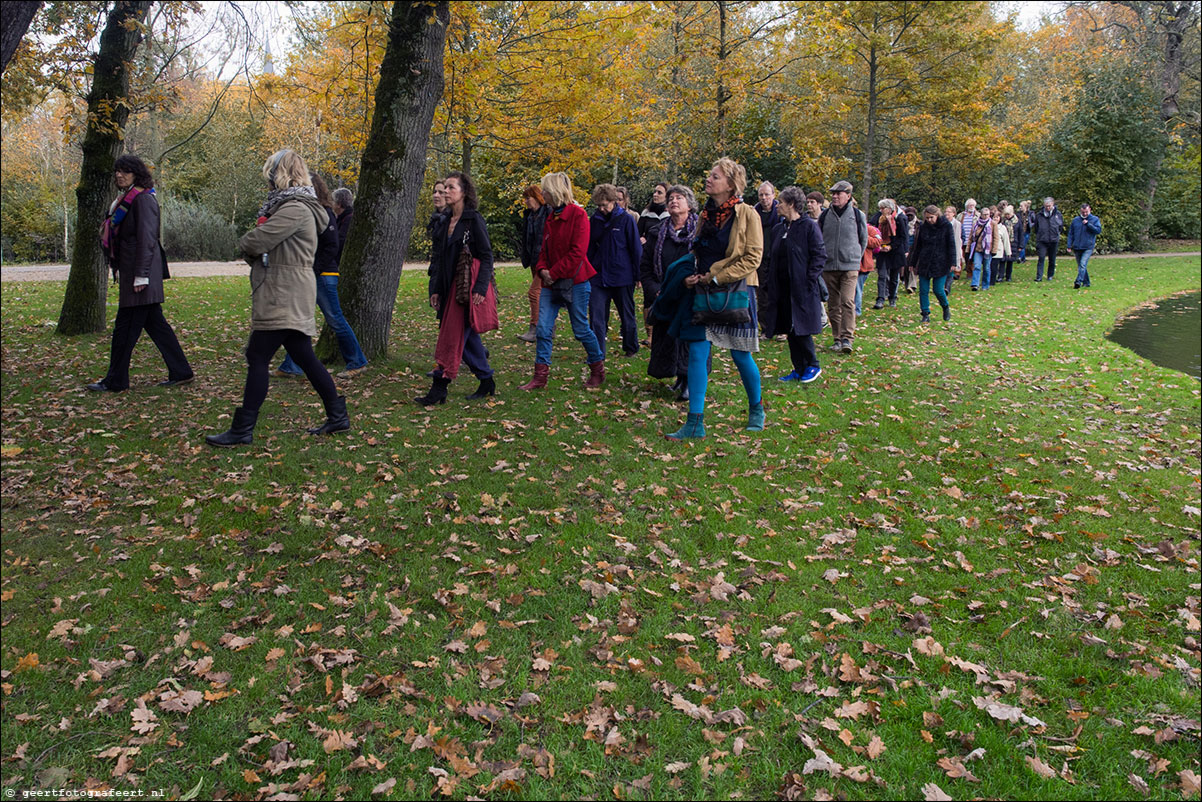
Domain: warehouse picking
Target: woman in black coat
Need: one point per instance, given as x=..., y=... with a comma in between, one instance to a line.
x=933, y=256
x=797, y=256
x=669, y=241
x=534, y=222
x=130, y=238
x=464, y=228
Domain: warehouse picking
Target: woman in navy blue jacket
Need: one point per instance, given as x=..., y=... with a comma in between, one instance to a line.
x=614, y=251
x=796, y=257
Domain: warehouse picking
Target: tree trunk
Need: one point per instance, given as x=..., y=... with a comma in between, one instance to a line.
x=13, y=25
x=723, y=93
x=870, y=137
x=108, y=110
x=465, y=146
x=391, y=171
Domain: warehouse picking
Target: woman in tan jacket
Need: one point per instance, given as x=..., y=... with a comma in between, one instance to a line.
x=728, y=246
x=280, y=252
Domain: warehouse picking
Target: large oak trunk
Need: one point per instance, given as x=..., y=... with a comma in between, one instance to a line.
x=108, y=110
x=392, y=169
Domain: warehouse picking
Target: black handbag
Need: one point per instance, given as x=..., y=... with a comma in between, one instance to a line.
x=561, y=291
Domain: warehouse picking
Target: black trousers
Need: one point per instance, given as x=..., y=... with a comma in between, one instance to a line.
x=260, y=350
x=802, y=352
x=127, y=328
x=1047, y=249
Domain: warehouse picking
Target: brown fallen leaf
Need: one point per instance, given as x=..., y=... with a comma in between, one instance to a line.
x=1190, y=785
x=875, y=747
x=1138, y=783
x=1039, y=767
x=956, y=770
x=933, y=793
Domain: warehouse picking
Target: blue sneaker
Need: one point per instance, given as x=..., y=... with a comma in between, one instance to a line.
x=811, y=373
x=792, y=377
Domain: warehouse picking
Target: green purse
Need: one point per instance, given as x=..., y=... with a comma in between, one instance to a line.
x=722, y=304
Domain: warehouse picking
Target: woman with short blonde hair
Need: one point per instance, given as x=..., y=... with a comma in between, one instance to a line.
x=727, y=248
x=281, y=251
x=564, y=270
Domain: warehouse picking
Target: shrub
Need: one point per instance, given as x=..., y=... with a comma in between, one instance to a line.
x=194, y=233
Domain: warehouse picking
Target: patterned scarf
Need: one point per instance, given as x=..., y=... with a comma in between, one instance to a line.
x=668, y=231
x=277, y=197
x=713, y=216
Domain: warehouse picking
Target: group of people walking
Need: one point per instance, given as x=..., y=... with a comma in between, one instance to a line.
x=723, y=273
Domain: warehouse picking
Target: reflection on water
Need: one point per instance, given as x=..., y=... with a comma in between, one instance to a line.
x=1169, y=334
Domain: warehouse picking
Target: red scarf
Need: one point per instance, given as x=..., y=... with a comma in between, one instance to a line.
x=718, y=215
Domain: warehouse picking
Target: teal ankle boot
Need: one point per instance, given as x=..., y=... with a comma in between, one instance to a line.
x=694, y=428
x=755, y=417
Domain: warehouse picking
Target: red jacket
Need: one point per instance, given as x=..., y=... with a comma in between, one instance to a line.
x=565, y=246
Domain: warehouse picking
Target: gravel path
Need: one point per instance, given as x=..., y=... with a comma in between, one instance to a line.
x=178, y=270
x=193, y=269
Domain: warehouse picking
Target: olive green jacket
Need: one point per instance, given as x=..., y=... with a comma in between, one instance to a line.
x=284, y=292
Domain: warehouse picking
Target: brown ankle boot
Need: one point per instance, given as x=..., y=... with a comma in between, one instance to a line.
x=541, y=372
x=596, y=376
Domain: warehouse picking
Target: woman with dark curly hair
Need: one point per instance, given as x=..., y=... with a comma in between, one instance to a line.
x=461, y=292
x=130, y=240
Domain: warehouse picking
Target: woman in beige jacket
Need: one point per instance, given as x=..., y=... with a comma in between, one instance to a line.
x=280, y=252
x=727, y=247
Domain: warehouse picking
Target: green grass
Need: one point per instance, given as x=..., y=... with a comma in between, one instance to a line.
x=950, y=476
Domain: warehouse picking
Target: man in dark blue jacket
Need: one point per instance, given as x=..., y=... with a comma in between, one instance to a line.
x=615, y=251
x=1082, y=239
x=1046, y=226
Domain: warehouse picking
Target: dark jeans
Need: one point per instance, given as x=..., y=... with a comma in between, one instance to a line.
x=260, y=349
x=802, y=352
x=127, y=328
x=598, y=315
x=1047, y=249
x=886, y=282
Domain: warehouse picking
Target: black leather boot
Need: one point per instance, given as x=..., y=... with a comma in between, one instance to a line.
x=241, y=431
x=437, y=394
x=487, y=387
x=336, y=418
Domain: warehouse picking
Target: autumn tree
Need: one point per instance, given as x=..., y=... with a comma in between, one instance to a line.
x=901, y=82
x=394, y=160
x=108, y=110
x=13, y=25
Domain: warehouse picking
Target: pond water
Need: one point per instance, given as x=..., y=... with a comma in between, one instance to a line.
x=1169, y=333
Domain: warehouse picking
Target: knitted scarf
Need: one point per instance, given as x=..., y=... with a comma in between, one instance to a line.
x=713, y=216
x=277, y=197
x=668, y=231
x=108, y=229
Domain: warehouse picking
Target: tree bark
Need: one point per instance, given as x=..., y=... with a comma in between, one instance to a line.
x=14, y=22
x=723, y=92
x=870, y=138
x=108, y=110
x=391, y=170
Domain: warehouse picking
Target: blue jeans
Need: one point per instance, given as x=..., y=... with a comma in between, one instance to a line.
x=1083, y=265
x=863, y=279
x=348, y=343
x=980, y=267
x=939, y=283
x=577, y=314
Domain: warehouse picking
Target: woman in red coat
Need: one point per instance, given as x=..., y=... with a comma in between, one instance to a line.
x=564, y=270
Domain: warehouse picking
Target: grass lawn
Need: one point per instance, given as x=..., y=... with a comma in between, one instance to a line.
x=965, y=561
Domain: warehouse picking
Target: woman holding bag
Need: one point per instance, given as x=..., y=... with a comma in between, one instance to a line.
x=564, y=270
x=727, y=247
x=462, y=292
x=130, y=240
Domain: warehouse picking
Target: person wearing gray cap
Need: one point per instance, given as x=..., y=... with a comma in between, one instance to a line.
x=845, y=234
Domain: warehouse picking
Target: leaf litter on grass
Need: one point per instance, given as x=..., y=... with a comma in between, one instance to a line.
x=538, y=594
